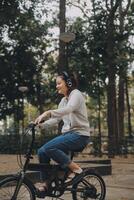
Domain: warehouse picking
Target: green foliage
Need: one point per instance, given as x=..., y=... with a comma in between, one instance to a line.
x=22, y=54
x=88, y=53
x=9, y=143
x=9, y=9
x=14, y=143
x=24, y=60
x=86, y=56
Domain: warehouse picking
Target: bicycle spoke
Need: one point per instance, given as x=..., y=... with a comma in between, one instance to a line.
x=90, y=187
x=8, y=186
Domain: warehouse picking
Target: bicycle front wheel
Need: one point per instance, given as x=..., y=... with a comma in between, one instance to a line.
x=7, y=188
x=91, y=186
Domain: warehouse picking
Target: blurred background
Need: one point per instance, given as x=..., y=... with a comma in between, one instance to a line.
x=93, y=39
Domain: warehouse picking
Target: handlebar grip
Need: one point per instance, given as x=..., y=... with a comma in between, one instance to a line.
x=31, y=125
x=42, y=121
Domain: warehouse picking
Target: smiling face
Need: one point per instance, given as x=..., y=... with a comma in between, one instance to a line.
x=61, y=86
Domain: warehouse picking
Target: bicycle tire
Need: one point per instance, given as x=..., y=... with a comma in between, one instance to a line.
x=91, y=186
x=7, y=188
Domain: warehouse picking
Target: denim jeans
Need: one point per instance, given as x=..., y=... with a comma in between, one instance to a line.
x=59, y=147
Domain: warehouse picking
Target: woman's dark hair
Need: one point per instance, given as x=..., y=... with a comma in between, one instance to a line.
x=70, y=80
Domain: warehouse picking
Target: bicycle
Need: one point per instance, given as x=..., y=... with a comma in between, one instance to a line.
x=87, y=185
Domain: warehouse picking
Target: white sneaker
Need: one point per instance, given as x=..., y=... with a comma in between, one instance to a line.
x=73, y=174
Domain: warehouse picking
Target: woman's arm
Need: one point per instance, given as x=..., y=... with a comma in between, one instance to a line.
x=46, y=115
x=53, y=122
x=72, y=105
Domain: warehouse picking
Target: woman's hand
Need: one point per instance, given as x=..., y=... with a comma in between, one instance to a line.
x=42, y=117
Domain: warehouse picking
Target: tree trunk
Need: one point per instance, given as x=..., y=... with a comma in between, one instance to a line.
x=129, y=112
x=39, y=99
x=99, y=119
x=111, y=90
x=122, y=73
x=62, y=25
x=62, y=46
x=16, y=117
x=121, y=84
x=5, y=126
x=121, y=106
x=112, y=116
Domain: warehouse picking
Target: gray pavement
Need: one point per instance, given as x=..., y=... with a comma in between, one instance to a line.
x=119, y=185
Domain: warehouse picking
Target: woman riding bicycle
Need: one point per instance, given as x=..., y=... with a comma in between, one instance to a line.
x=75, y=131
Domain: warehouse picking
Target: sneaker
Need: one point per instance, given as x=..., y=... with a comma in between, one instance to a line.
x=73, y=174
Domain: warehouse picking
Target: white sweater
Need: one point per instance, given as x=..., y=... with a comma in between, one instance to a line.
x=73, y=112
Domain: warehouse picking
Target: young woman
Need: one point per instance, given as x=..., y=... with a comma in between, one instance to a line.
x=75, y=131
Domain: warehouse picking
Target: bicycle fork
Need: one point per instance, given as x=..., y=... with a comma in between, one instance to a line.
x=19, y=183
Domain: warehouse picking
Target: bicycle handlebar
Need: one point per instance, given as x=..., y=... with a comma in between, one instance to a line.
x=32, y=125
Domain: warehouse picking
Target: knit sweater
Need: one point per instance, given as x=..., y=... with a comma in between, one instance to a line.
x=72, y=110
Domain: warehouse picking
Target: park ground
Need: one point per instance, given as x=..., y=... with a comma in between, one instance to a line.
x=120, y=185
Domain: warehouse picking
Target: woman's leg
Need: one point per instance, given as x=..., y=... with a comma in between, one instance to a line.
x=58, y=148
x=43, y=158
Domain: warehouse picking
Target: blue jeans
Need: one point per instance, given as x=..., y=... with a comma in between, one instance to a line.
x=59, y=147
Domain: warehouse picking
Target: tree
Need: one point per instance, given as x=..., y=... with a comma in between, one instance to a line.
x=22, y=54
x=62, y=28
x=123, y=66
x=97, y=55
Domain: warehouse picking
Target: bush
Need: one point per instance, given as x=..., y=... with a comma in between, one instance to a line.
x=13, y=144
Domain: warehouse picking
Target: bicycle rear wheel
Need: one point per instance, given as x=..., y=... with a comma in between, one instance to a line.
x=90, y=187
x=7, y=188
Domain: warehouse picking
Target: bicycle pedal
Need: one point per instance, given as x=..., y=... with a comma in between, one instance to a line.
x=41, y=194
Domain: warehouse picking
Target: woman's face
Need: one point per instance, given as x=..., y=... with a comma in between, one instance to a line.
x=61, y=86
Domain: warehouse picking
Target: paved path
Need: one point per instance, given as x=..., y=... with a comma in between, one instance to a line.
x=120, y=185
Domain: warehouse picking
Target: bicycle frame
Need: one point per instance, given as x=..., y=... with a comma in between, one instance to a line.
x=21, y=174
x=57, y=186
x=53, y=168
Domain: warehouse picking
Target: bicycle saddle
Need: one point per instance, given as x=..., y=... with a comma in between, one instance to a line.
x=71, y=153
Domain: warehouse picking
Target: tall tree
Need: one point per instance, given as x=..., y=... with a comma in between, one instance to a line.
x=112, y=7
x=99, y=34
x=62, y=28
x=122, y=67
x=22, y=53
